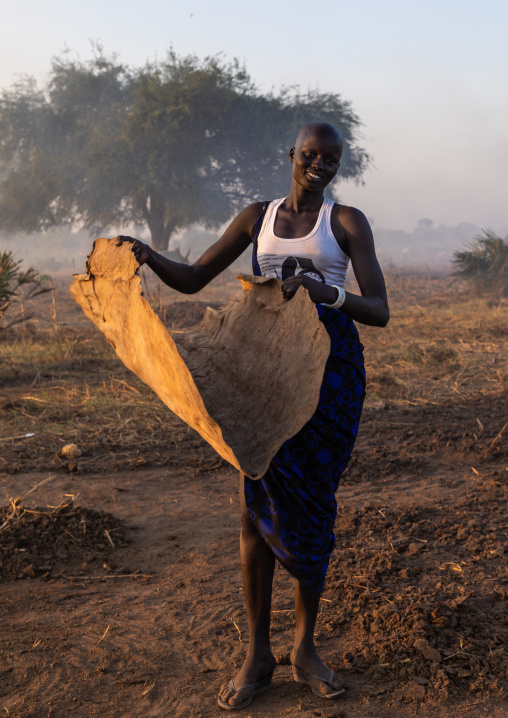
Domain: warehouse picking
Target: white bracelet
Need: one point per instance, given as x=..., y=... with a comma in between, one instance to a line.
x=341, y=298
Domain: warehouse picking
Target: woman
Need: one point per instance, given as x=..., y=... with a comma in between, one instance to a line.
x=304, y=240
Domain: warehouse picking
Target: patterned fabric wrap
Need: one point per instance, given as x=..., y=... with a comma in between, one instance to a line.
x=294, y=506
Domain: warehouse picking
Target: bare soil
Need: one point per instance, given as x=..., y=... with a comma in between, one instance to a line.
x=120, y=575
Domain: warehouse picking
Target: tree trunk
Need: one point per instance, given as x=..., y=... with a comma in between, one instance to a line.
x=161, y=236
x=158, y=243
x=160, y=230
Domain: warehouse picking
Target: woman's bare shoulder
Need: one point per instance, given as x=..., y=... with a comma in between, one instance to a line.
x=252, y=213
x=351, y=219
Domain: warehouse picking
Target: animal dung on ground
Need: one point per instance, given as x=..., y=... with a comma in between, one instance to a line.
x=247, y=378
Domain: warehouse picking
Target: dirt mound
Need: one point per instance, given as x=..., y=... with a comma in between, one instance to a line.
x=395, y=438
x=423, y=604
x=48, y=543
x=182, y=315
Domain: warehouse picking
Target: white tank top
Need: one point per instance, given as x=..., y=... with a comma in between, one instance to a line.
x=318, y=254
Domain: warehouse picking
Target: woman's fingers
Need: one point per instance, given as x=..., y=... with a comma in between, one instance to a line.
x=140, y=250
x=137, y=245
x=291, y=285
x=316, y=289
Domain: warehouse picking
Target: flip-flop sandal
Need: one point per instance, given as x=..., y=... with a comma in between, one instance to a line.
x=302, y=677
x=262, y=685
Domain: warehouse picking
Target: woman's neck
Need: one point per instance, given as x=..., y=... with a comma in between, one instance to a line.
x=301, y=200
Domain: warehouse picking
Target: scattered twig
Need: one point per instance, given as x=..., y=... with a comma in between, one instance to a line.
x=239, y=632
x=121, y=381
x=18, y=436
x=498, y=436
x=456, y=654
x=103, y=636
x=116, y=575
x=41, y=483
x=473, y=705
x=16, y=503
x=72, y=537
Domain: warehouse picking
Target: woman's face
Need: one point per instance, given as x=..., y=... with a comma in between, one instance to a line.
x=315, y=159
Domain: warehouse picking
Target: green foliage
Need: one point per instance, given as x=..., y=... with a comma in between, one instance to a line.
x=16, y=287
x=167, y=145
x=485, y=262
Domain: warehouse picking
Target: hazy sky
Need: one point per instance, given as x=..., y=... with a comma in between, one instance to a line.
x=428, y=79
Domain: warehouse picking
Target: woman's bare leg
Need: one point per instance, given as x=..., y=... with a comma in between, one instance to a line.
x=258, y=564
x=304, y=654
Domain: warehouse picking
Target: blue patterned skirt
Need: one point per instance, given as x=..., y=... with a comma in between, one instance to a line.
x=293, y=506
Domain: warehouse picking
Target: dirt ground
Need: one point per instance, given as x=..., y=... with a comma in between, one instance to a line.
x=120, y=575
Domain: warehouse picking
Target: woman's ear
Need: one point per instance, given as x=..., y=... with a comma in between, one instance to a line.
x=291, y=154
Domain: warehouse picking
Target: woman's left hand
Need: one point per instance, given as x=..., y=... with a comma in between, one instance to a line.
x=141, y=251
x=318, y=291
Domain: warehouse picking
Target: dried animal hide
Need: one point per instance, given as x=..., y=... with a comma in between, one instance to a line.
x=247, y=378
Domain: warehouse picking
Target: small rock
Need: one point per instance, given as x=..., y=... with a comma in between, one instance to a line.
x=71, y=451
x=414, y=548
x=429, y=653
x=414, y=691
x=360, y=662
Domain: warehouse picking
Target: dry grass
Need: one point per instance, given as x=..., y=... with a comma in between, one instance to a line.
x=441, y=343
x=60, y=380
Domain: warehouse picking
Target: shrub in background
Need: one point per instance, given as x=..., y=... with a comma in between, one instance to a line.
x=17, y=286
x=485, y=262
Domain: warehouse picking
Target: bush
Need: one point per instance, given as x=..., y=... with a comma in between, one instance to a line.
x=16, y=287
x=485, y=262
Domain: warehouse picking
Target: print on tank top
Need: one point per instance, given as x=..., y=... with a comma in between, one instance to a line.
x=318, y=255
x=291, y=266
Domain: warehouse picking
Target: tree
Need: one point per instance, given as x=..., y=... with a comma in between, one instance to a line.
x=485, y=262
x=170, y=144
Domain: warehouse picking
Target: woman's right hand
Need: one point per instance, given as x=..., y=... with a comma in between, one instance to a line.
x=142, y=251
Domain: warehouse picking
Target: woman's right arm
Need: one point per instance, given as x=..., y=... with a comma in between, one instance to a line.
x=191, y=278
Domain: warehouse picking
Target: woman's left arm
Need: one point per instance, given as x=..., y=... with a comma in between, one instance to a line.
x=372, y=306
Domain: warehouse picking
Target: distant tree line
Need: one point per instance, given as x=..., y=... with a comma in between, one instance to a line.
x=167, y=145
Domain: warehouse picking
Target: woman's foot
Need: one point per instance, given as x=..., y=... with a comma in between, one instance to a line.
x=309, y=668
x=254, y=677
